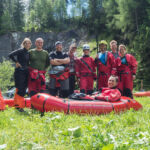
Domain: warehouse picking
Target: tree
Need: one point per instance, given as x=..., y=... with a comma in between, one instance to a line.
x=18, y=15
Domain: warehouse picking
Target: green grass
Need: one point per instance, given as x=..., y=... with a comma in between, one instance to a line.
x=125, y=131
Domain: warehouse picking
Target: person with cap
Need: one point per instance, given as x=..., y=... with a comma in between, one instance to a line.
x=72, y=64
x=21, y=59
x=126, y=66
x=113, y=47
x=86, y=71
x=38, y=63
x=105, y=62
x=59, y=72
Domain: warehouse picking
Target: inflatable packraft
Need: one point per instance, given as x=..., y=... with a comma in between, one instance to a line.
x=141, y=94
x=10, y=102
x=82, y=105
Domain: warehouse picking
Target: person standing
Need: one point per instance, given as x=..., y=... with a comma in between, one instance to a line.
x=113, y=47
x=21, y=58
x=86, y=71
x=72, y=64
x=38, y=63
x=59, y=72
x=126, y=66
x=105, y=62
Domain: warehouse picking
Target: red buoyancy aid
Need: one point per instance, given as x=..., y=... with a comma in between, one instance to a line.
x=108, y=94
x=37, y=74
x=131, y=66
x=83, y=69
x=61, y=76
x=110, y=67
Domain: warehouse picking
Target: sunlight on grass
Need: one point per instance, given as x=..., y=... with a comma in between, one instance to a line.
x=124, y=131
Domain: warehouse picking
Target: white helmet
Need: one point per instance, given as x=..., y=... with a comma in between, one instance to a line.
x=86, y=47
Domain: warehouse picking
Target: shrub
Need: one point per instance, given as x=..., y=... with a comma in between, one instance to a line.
x=6, y=75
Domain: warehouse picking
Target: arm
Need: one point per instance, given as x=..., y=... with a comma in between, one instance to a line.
x=113, y=64
x=13, y=57
x=64, y=61
x=110, y=95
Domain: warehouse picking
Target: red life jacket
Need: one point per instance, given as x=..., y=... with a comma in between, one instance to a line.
x=86, y=67
x=109, y=68
x=130, y=67
x=108, y=94
x=37, y=74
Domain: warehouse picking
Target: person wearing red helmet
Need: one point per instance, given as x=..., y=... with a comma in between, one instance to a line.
x=126, y=66
x=86, y=71
x=105, y=62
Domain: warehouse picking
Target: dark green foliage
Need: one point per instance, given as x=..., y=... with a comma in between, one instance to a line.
x=11, y=15
x=6, y=75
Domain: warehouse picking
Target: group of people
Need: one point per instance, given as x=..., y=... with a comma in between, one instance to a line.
x=66, y=70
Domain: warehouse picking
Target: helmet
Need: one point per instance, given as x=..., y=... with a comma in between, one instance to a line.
x=86, y=47
x=103, y=42
x=58, y=42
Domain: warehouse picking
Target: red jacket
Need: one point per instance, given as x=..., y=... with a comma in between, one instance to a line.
x=130, y=67
x=36, y=74
x=108, y=94
x=109, y=68
x=83, y=70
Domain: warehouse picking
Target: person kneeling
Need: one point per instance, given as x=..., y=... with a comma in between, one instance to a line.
x=111, y=93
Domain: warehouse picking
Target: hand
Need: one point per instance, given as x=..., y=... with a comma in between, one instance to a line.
x=18, y=65
x=134, y=77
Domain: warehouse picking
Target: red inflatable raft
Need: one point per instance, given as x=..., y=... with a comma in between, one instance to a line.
x=44, y=103
x=10, y=102
x=141, y=94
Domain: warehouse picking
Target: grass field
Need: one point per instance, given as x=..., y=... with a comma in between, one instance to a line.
x=125, y=131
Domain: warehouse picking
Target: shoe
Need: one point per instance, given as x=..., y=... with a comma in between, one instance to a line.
x=21, y=110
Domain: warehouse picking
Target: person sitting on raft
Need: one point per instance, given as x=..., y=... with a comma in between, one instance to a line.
x=111, y=93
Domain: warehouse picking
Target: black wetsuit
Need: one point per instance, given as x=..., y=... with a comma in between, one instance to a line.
x=21, y=73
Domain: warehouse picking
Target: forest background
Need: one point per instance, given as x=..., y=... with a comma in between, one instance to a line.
x=127, y=22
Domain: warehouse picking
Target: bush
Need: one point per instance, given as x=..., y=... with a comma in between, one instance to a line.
x=6, y=75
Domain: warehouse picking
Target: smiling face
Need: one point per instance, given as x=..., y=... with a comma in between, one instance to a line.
x=122, y=50
x=103, y=47
x=113, y=47
x=27, y=45
x=39, y=44
x=86, y=51
x=59, y=47
x=112, y=82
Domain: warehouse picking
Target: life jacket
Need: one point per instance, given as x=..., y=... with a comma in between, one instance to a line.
x=108, y=94
x=129, y=67
x=109, y=66
x=86, y=67
x=63, y=75
x=37, y=74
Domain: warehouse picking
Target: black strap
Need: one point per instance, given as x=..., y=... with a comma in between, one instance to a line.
x=112, y=106
x=87, y=65
x=68, y=106
x=44, y=104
